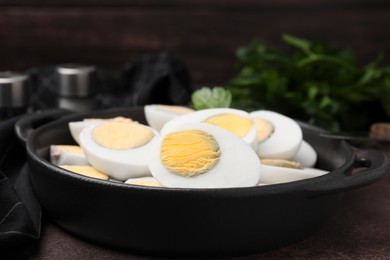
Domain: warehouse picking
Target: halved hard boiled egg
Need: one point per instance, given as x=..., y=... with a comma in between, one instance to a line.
x=67, y=155
x=120, y=150
x=282, y=171
x=85, y=170
x=278, y=136
x=201, y=155
x=144, y=181
x=76, y=127
x=306, y=155
x=234, y=120
x=158, y=115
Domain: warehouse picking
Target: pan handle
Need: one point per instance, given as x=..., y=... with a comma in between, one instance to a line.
x=27, y=124
x=374, y=166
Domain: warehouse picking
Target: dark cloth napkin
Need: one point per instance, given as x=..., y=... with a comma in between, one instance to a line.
x=20, y=212
x=157, y=78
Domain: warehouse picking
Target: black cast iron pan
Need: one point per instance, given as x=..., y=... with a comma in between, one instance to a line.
x=189, y=222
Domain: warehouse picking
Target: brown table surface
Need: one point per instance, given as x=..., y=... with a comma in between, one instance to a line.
x=359, y=230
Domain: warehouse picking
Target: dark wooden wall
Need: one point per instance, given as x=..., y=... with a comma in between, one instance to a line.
x=205, y=34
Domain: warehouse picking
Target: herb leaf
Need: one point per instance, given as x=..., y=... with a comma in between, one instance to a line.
x=206, y=97
x=297, y=42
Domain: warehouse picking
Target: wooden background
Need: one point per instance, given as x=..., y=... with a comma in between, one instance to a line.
x=204, y=34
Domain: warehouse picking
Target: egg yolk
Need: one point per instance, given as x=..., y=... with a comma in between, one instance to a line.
x=234, y=123
x=69, y=148
x=86, y=171
x=282, y=163
x=149, y=183
x=264, y=129
x=119, y=136
x=176, y=109
x=189, y=153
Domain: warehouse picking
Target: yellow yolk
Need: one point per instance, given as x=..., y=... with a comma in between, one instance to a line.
x=149, y=183
x=88, y=171
x=264, y=129
x=69, y=148
x=189, y=153
x=282, y=163
x=176, y=109
x=234, y=123
x=119, y=136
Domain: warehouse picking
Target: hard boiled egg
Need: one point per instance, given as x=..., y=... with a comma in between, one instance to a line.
x=85, y=170
x=76, y=127
x=144, y=181
x=67, y=155
x=234, y=120
x=306, y=155
x=158, y=115
x=285, y=171
x=120, y=150
x=278, y=136
x=200, y=155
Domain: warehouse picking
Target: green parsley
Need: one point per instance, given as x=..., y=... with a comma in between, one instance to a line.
x=313, y=82
x=211, y=98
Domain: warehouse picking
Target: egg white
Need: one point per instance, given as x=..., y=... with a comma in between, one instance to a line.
x=238, y=165
x=61, y=157
x=156, y=116
x=306, y=155
x=275, y=174
x=120, y=164
x=77, y=126
x=286, y=139
x=141, y=181
x=202, y=115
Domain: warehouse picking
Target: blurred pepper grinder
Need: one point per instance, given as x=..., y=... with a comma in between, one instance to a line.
x=77, y=86
x=14, y=94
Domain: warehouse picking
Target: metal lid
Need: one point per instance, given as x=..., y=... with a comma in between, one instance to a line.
x=76, y=80
x=14, y=89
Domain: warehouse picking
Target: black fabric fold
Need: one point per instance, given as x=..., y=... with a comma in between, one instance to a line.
x=157, y=78
x=20, y=212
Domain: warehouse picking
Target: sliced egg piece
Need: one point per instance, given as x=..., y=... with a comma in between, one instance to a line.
x=67, y=155
x=234, y=120
x=158, y=115
x=76, y=127
x=282, y=137
x=282, y=163
x=201, y=155
x=86, y=170
x=306, y=155
x=120, y=150
x=276, y=174
x=144, y=181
